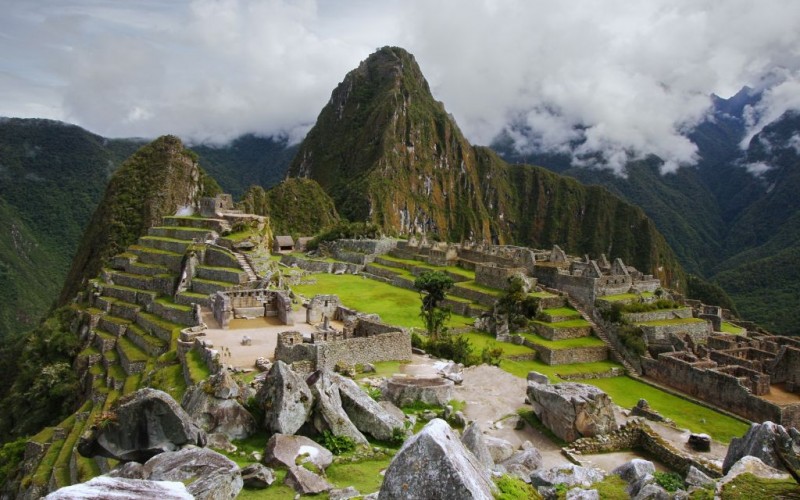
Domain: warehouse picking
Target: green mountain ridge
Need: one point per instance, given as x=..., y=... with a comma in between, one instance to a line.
x=387, y=152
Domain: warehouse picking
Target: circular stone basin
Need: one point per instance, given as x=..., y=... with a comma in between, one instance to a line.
x=405, y=390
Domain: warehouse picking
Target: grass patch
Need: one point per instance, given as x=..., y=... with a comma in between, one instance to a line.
x=132, y=383
x=278, y=490
x=383, y=369
x=747, y=486
x=472, y=285
x=626, y=392
x=170, y=380
x=530, y=417
x=561, y=311
x=481, y=340
x=514, y=488
x=668, y=322
x=521, y=368
x=573, y=323
x=365, y=476
x=564, y=344
x=396, y=306
x=732, y=329
x=166, y=302
x=198, y=370
x=132, y=351
x=612, y=486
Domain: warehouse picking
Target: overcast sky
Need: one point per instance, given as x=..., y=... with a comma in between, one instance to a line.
x=632, y=75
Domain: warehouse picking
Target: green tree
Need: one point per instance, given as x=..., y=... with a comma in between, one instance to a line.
x=517, y=304
x=433, y=287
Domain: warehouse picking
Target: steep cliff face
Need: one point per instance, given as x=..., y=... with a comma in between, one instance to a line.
x=157, y=180
x=386, y=151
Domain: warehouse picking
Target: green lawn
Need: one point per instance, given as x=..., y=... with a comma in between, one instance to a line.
x=480, y=340
x=731, y=328
x=626, y=392
x=564, y=344
x=566, y=324
x=521, y=368
x=561, y=311
x=396, y=306
x=472, y=285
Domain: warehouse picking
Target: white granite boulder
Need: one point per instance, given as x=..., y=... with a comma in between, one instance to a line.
x=122, y=489
x=573, y=410
x=286, y=399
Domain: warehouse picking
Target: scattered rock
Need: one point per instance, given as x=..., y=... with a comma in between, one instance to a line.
x=459, y=419
x=217, y=414
x=700, y=442
x=435, y=460
x=762, y=441
x=208, y=474
x=220, y=442
x=652, y=491
x=633, y=471
x=696, y=477
x=538, y=378
x=500, y=449
x=255, y=456
x=573, y=410
x=343, y=493
x=305, y=482
x=263, y=364
x=474, y=442
x=257, y=476
x=581, y=494
x=122, y=489
x=568, y=474
x=643, y=409
x=523, y=462
x=328, y=413
x=428, y=415
x=286, y=399
x=128, y=470
x=284, y=450
x=366, y=414
x=368, y=368
x=451, y=371
x=146, y=423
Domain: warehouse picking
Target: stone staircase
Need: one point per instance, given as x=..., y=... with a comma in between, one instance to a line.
x=245, y=265
x=603, y=335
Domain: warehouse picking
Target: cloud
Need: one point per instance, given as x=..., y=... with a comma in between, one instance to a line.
x=620, y=78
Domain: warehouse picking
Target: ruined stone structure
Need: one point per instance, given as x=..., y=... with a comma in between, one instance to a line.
x=755, y=377
x=363, y=338
x=246, y=302
x=216, y=206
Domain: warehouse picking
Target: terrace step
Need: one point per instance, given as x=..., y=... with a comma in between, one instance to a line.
x=558, y=314
x=132, y=357
x=128, y=294
x=176, y=313
x=124, y=310
x=485, y=298
x=191, y=234
x=104, y=341
x=603, y=335
x=150, y=344
x=189, y=298
x=168, y=244
x=129, y=280
x=208, y=287
x=218, y=225
x=157, y=326
x=113, y=325
x=145, y=269
x=224, y=274
x=147, y=255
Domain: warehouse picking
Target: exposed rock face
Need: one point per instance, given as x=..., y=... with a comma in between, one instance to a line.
x=286, y=399
x=122, y=489
x=214, y=407
x=652, y=491
x=148, y=423
x=568, y=474
x=632, y=471
x=573, y=410
x=473, y=440
x=523, y=462
x=328, y=413
x=257, y=476
x=763, y=441
x=696, y=477
x=538, y=378
x=283, y=450
x=755, y=466
x=305, y=482
x=499, y=448
x=210, y=476
x=581, y=494
x=434, y=464
x=366, y=414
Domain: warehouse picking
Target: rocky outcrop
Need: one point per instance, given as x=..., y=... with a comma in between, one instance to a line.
x=697, y=478
x=209, y=475
x=305, y=482
x=286, y=399
x=213, y=405
x=637, y=473
x=122, y=489
x=434, y=464
x=473, y=440
x=523, y=462
x=754, y=466
x=287, y=451
x=764, y=441
x=366, y=414
x=144, y=424
x=328, y=413
x=499, y=448
x=573, y=410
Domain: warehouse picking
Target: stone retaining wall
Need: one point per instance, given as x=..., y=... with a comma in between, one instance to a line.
x=659, y=315
x=229, y=276
x=698, y=331
x=495, y=276
x=569, y=356
x=314, y=266
x=484, y=298
x=552, y=333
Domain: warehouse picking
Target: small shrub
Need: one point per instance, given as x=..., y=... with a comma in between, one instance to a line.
x=373, y=392
x=337, y=444
x=633, y=339
x=453, y=347
x=104, y=419
x=398, y=436
x=670, y=481
x=514, y=488
x=417, y=341
x=613, y=314
x=491, y=354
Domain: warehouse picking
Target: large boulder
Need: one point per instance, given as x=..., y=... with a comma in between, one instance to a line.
x=217, y=414
x=568, y=475
x=144, y=424
x=286, y=399
x=257, y=476
x=305, y=482
x=573, y=410
x=122, y=489
x=523, y=462
x=500, y=449
x=328, y=413
x=635, y=470
x=763, y=441
x=366, y=414
x=754, y=466
x=434, y=464
x=208, y=474
x=287, y=451
x=473, y=440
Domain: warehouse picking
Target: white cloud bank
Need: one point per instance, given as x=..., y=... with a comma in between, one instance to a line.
x=627, y=78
